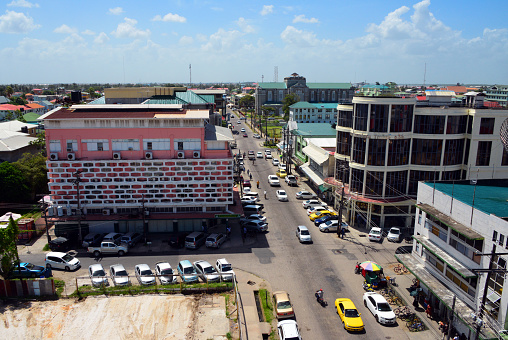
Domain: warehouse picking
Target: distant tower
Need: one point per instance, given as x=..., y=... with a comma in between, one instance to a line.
x=276, y=74
x=190, y=74
x=262, y=78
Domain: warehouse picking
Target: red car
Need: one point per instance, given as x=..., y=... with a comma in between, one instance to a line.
x=245, y=135
x=246, y=183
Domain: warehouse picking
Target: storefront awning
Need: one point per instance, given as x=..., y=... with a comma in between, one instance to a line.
x=324, y=187
x=445, y=257
x=445, y=295
x=450, y=222
x=318, y=155
x=314, y=177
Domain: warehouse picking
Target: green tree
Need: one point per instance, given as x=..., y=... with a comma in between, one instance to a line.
x=289, y=100
x=18, y=101
x=12, y=183
x=35, y=173
x=8, y=248
x=47, y=92
x=40, y=142
x=9, y=91
x=247, y=101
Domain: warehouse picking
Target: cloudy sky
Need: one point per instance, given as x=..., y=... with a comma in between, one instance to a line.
x=52, y=41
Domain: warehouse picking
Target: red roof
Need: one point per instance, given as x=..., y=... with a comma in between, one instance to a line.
x=10, y=107
x=421, y=97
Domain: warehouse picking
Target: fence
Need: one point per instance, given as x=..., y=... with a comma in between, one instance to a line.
x=27, y=288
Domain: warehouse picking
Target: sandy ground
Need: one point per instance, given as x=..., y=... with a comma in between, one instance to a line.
x=139, y=317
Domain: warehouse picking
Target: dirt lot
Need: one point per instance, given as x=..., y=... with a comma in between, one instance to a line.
x=174, y=317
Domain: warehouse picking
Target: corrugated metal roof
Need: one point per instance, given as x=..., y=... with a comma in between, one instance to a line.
x=439, y=93
x=98, y=101
x=317, y=154
x=302, y=105
x=329, y=85
x=15, y=142
x=218, y=133
x=315, y=129
x=279, y=85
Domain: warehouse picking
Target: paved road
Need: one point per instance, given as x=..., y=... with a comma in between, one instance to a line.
x=278, y=257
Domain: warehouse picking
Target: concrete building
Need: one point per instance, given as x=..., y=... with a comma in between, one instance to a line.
x=454, y=223
x=498, y=94
x=385, y=145
x=157, y=163
x=272, y=94
x=305, y=112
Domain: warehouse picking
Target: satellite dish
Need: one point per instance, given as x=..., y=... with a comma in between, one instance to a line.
x=504, y=134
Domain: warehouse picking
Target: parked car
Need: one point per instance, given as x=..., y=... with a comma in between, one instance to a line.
x=249, y=193
x=246, y=183
x=252, y=209
x=349, y=315
x=195, y=240
x=313, y=203
x=131, y=238
x=245, y=135
x=144, y=274
x=305, y=195
x=283, y=307
x=253, y=217
x=92, y=240
x=268, y=155
x=113, y=237
x=206, y=271
x=331, y=225
x=97, y=275
x=59, y=244
x=61, y=260
x=119, y=275
x=291, y=180
x=288, y=330
x=313, y=209
x=275, y=161
x=281, y=173
x=224, y=269
x=25, y=270
x=319, y=221
x=259, y=154
x=303, y=234
x=257, y=226
x=109, y=247
x=375, y=234
x=215, y=240
x=393, y=234
x=187, y=271
x=251, y=155
x=380, y=308
x=165, y=273
x=282, y=195
x=242, y=130
x=319, y=214
x=273, y=181
x=248, y=200
x=282, y=166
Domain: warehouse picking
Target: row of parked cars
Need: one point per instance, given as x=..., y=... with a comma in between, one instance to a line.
x=164, y=273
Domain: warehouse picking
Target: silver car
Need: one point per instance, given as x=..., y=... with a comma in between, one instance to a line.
x=165, y=273
x=119, y=275
x=206, y=272
x=97, y=275
x=144, y=274
x=303, y=234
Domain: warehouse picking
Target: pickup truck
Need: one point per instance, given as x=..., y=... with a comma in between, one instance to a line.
x=291, y=180
x=109, y=248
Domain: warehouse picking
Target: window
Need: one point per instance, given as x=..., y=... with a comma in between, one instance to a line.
x=494, y=236
x=359, y=146
x=415, y=176
x=456, y=124
x=483, y=155
x=426, y=152
x=345, y=119
x=149, y=145
x=187, y=144
x=401, y=119
x=96, y=144
x=487, y=126
x=356, y=180
x=505, y=157
x=374, y=183
x=432, y=125
x=54, y=146
x=125, y=144
x=269, y=96
x=379, y=118
x=361, y=114
x=100, y=146
x=157, y=144
x=377, y=152
x=398, y=152
x=72, y=145
x=454, y=149
x=501, y=239
x=396, y=183
x=333, y=96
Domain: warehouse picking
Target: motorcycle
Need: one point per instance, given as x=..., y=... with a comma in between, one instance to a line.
x=358, y=269
x=367, y=287
x=321, y=301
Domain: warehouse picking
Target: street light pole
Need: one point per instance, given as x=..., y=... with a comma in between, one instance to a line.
x=77, y=174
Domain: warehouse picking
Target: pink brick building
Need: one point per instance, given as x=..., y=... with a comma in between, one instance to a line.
x=153, y=162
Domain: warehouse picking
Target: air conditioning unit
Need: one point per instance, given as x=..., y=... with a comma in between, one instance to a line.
x=180, y=154
x=116, y=155
x=196, y=154
x=53, y=156
x=105, y=212
x=71, y=156
x=148, y=155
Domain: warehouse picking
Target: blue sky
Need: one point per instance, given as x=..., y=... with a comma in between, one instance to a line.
x=54, y=41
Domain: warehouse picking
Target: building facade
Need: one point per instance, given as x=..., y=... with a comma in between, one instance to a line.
x=305, y=112
x=386, y=145
x=156, y=161
x=498, y=94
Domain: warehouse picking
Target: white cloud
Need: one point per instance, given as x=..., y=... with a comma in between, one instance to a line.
x=88, y=32
x=186, y=40
x=116, y=11
x=22, y=3
x=244, y=25
x=293, y=36
x=267, y=9
x=128, y=29
x=14, y=22
x=302, y=18
x=101, y=38
x=222, y=41
x=170, y=17
x=64, y=29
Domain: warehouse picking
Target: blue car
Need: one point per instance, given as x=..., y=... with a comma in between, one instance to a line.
x=324, y=219
x=26, y=270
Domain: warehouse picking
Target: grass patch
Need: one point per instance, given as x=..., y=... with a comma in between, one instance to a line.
x=266, y=303
x=229, y=336
x=59, y=287
x=46, y=247
x=226, y=298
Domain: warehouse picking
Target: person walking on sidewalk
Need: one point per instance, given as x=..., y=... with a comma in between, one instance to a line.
x=265, y=194
x=257, y=183
x=342, y=232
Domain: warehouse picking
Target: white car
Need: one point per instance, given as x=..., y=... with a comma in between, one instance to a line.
x=288, y=330
x=97, y=275
x=119, y=275
x=375, y=234
x=282, y=166
x=206, y=272
x=393, y=235
x=56, y=259
x=330, y=225
x=165, y=273
x=259, y=154
x=282, y=196
x=303, y=234
x=273, y=180
x=224, y=269
x=313, y=203
x=315, y=209
x=305, y=195
x=248, y=200
x=144, y=274
x=275, y=161
x=239, y=122
x=379, y=307
x=242, y=130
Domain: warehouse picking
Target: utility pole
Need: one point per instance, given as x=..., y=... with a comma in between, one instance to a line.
x=44, y=208
x=77, y=174
x=343, y=167
x=479, y=321
x=145, y=229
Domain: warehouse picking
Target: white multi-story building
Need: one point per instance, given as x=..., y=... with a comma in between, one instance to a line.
x=305, y=112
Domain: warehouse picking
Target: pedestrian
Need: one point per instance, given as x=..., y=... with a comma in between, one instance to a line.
x=429, y=311
x=228, y=231
x=248, y=172
x=415, y=302
x=257, y=183
x=265, y=194
x=342, y=232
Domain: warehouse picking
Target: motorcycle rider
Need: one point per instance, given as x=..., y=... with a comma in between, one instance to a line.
x=319, y=295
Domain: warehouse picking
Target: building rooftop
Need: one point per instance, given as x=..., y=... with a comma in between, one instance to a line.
x=307, y=105
x=488, y=199
x=314, y=129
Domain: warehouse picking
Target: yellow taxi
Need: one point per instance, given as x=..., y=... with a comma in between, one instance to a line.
x=321, y=213
x=281, y=173
x=349, y=315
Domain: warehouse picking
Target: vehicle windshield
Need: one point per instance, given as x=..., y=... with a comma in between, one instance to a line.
x=29, y=266
x=328, y=223
x=146, y=272
x=395, y=231
x=375, y=232
x=351, y=313
x=99, y=273
x=209, y=270
x=282, y=192
x=188, y=270
x=226, y=267
x=284, y=304
x=304, y=232
x=67, y=258
x=167, y=271
x=121, y=273
x=384, y=307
